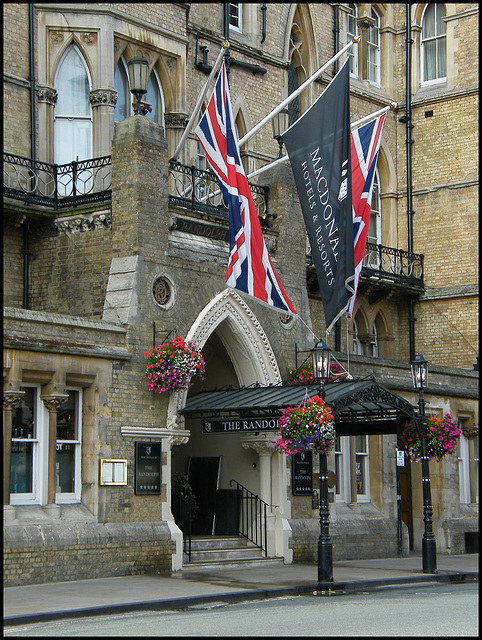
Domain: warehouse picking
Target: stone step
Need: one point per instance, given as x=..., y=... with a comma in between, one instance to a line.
x=232, y=564
x=220, y=542
x=217, y=555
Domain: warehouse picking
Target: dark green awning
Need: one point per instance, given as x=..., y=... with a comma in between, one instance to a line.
x=359, y=406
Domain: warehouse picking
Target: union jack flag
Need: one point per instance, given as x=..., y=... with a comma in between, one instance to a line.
x=249, y=266
x=365, y=145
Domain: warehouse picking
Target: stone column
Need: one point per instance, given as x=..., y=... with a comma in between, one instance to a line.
x=264, y=447
x=103, y=102
x=175, y=123
x=10, y=401
x=52, y=402
x=353, y=492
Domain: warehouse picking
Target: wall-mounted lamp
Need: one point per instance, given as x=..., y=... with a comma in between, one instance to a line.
x=280, y=123
x=138, y=78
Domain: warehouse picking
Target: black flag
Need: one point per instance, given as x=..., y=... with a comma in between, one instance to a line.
x=318, y=146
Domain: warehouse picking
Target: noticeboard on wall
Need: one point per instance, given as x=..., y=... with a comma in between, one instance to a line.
x=302, y=473
x=148, y=468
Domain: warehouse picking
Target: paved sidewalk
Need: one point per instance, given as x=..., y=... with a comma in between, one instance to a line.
x=191, y=587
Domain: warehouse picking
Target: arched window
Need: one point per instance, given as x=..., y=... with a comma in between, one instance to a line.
x=123, y=106
x=72, y=114
x=293, y=84
x=352, y=31
x=375, y=226
x=357, y=345
x=374, y=342
x=434, y=43
x=155, y=98
x=373, y=50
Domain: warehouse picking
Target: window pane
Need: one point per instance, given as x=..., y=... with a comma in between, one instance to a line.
x=234, y=14
x=441, y=25
x=72, y=85
x=360, y=475
x=72, y=140
x=121, y=85
x=23, y=422
x=429, y=60
x=428, y=28
x=21, y=467
x=67, y=418
x=441, y=73
x=65, y=467
x=361, y=444
x=153, y=97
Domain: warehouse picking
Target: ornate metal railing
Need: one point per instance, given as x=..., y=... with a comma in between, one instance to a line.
x=389, y=264
x=57, y=185
x=198, y=190
x=396, y=265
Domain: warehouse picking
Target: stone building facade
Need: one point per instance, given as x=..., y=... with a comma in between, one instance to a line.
x=95, y=275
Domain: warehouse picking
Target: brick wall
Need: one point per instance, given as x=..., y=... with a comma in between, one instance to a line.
x=36, y=554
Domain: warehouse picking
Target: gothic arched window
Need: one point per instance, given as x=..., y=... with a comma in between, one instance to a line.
x=434, y=43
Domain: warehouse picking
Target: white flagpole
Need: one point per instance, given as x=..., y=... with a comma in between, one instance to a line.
x=354, y=125
x=293, y=95
x=202, y=95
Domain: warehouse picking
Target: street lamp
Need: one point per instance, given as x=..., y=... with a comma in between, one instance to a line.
x=321, y=371
x=280, y=123
x=138, y=78
x=419, y=368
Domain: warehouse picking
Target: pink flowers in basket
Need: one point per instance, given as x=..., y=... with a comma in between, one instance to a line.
x=171, y=365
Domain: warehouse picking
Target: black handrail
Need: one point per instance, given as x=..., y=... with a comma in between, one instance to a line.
x=251, y=514
x=182, y=512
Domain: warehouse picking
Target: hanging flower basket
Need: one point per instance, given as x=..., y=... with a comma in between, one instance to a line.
x=304, y=373
x=171, y=365
x=442, y=438
x=309, y=425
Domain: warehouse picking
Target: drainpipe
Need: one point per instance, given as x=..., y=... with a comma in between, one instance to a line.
x=263, y=32
x=407, y=120
x=409, y=126
x=336, y=31
x=33, y=146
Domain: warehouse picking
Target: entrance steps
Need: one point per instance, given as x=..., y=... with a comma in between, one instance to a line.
x=209, y=552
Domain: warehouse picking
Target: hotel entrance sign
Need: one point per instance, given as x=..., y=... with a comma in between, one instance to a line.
x=242, y=425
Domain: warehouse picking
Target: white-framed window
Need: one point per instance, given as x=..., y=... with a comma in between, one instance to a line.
x=123, y=106
x=236, y=16
x=434, y=44
x=344, y=472
x=463, y=455
x=30, y=449
x=352, y=31
x=28, y=473
x=361, y=463
x=72, y=113
x=373, y=50
x=68, y=448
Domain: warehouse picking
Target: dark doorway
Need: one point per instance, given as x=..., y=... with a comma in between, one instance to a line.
x=203, y=476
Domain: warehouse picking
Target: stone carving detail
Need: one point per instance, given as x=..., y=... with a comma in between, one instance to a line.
x=53, y=402
x=271, y=243
x=92, y=222
x=103, y=97
x=11, y=399
x=176, y=120
x=89, y=38
x=46, y=94
x=470, y=432
x=261, y=447
x=56, y=37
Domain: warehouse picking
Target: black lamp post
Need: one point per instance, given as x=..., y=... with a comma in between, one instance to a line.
x=280, y=123
x=429, y=552
x=138, y=78
x=321, y=369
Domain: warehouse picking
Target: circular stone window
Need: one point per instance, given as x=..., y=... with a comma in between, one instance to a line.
x=287, y=320
x=161, y=290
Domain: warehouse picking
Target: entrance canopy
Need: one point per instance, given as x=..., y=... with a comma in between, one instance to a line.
x=360, y=407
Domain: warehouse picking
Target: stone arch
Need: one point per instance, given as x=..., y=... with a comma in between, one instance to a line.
x=384, y=328
x=243, y=338
x=73, y=40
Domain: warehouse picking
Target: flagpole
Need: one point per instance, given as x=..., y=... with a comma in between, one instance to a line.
x=202, y=95
x=296, y=93
x=354, y=125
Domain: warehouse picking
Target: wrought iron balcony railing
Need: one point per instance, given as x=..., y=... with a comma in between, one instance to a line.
x=390, y=265
x=57, y=185
x=197, y=189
